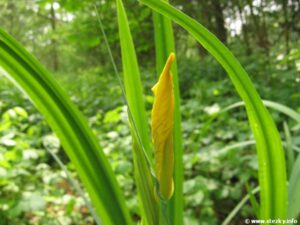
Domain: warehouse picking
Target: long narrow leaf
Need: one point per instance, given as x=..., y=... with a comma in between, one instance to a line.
x=133, y=85
x=75, y=185
x=70, y=126
x=290, y=155
x=228, y=148
x=138, y=120
x=294, y=193
x=238, y=207
x=272, y=174
x=164, y=45
x=253, y=200
x=272, y=105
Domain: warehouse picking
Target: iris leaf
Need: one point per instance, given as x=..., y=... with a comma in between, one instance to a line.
x=71, y=127
x=139, y=123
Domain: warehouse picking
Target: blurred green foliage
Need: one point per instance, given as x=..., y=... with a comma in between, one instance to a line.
x=65, y=36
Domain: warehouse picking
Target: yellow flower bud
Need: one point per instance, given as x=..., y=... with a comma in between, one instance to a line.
x=162, y=129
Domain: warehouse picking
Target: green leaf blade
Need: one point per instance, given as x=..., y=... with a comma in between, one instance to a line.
x=133, y=86
x=294, y=193
x=68, y=123
x=139, y=123
x=272, y=105
x=164, y=45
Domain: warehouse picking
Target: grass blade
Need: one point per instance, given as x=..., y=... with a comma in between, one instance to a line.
x=253, y=200
x=294, y=193
x=272, y=174
x=222, y=152
x=290, y=157
x=272, y=105
x=139, y=122
x=238, y=207
x=75, y=185
x=67, y=122
x=164, y=45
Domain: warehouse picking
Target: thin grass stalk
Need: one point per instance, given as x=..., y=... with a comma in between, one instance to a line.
x=272, y=105
x=238, y=207
x=290, y=157
x=75, y=185
x=253, y=200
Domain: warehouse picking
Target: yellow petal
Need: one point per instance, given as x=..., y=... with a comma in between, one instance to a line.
x=162, y=129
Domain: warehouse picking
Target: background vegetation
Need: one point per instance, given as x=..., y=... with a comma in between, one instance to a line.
x=65, y=36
